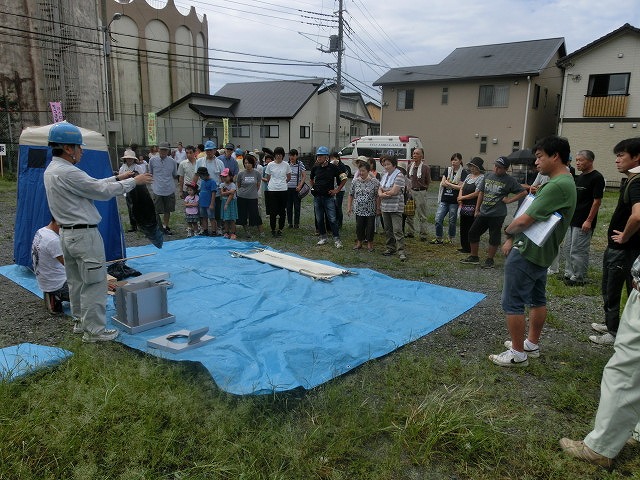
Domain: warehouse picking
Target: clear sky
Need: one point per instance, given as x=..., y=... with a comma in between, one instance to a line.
x=252, y=40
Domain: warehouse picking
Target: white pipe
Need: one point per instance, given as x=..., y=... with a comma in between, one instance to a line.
x=526, y=114
x=562, y=102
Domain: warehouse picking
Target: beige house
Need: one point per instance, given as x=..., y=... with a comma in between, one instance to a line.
x=482, y=101
x=601, y=99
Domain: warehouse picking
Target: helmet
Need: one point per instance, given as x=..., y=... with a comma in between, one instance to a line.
x=64, y=133
x=322, y=151
x=209, y=145
x=239, y=151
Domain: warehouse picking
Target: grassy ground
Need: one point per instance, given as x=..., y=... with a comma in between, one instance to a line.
x=418, y=413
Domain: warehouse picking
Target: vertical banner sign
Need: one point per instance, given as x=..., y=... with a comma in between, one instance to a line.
x=56, y=111
x=225, y=128
x=152, y=129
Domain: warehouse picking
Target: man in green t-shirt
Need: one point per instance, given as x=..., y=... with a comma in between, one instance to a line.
x=525, y=270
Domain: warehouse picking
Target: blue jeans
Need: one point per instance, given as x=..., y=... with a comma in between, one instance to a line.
x=443, y=209
x=326, y=205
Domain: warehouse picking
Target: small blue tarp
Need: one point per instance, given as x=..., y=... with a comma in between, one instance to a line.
x=277, y=330
x=24, y=358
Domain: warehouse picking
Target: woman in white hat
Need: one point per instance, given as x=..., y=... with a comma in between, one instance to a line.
x=129, y=158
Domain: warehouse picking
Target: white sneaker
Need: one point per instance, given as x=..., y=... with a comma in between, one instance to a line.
x=530, y=353
x=322, y=241
x=106, y=336
x=338, y=244
x=600, y=327
x=606, y=339
x=508, y=359
x=77, y=327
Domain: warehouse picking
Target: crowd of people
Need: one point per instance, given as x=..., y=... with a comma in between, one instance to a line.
x=68, y=254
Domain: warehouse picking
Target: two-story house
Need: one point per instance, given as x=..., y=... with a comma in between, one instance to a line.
x=485, y=101
x=601, y=99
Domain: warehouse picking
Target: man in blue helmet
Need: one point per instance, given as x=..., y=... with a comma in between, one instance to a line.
x=322, y=177
x=71, y=193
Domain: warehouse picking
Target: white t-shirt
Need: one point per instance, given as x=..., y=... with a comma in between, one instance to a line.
x=278, y=172
x=45, y=249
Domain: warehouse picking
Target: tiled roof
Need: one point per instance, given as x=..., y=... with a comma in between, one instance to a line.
x=271, y=99
x=498, y=60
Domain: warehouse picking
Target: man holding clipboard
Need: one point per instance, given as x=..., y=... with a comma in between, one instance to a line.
x=525, y=270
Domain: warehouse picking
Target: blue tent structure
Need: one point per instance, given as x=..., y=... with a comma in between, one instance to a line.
x=32, y=210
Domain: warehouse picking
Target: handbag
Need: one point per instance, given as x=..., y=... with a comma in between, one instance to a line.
x=304, y=190
x=410, y=207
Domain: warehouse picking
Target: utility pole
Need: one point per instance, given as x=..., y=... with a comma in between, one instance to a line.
x=335, y=45
x=339, y=76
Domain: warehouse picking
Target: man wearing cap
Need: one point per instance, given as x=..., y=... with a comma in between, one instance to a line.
x=186, y=170
x=214, y=166
x=323, y=175
x=70, y=194
x=525, y=269
x=491, y=210
x=130, y=165
x=164, y=171
x=228, y=159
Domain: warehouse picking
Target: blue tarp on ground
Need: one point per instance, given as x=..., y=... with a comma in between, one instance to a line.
x=277, y=330
x=24, y=358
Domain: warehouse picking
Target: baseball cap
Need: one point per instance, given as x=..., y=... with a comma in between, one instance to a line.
x=202, y=171
x=322, y=151
x=502, y=162
x=225, y=172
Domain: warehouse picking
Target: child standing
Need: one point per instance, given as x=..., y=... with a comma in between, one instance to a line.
x=191, y=212
x=207, y=201
x=229, y=212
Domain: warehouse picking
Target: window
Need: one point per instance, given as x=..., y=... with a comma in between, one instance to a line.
x=269, y=131
x=516, y=146
x=241, y=131
x=558, y=104
x=210, y=131
x=305, y=131
x=405, y=100
x=445, y=96
x=483, y=144
x=493, y=96
x=536, y=96
x=609, y=84
x=354, y=131
x=544, y=100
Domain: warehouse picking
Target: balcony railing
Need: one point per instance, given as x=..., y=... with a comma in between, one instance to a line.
x=610, y=106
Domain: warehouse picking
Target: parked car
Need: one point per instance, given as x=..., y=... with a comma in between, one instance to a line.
x=399, y=146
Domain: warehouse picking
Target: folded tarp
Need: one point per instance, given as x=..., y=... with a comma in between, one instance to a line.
x=277, y=330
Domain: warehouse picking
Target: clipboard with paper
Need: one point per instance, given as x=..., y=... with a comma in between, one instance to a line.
x=539, y=231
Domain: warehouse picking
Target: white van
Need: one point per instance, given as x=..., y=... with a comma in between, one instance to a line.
x=399, y=146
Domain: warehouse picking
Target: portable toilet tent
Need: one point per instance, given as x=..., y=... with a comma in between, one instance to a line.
x=32, y=210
